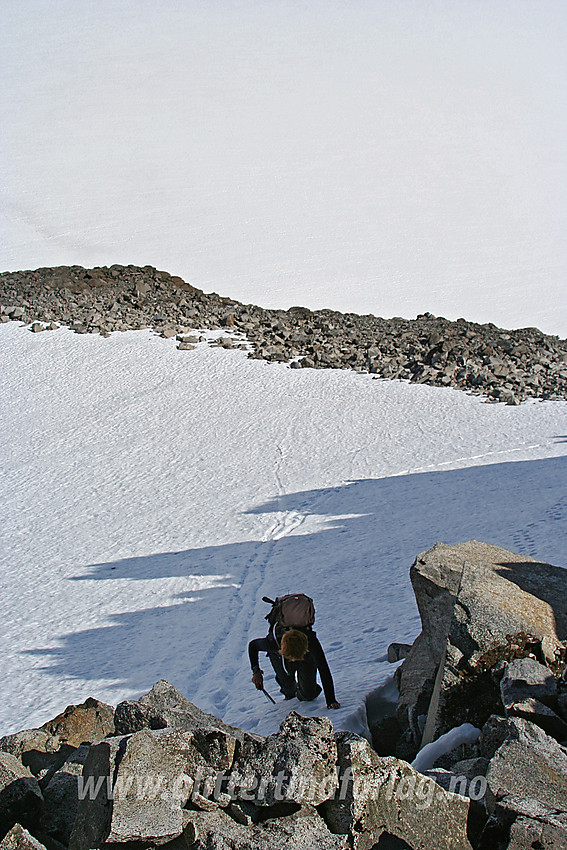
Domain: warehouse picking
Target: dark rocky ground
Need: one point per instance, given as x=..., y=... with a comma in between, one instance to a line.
x=504, y=365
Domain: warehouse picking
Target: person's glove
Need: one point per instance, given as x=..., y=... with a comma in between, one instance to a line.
x=333, y=705
x=258, y=678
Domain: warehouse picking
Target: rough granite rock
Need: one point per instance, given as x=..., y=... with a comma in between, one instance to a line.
x=20, y=795
x=164, y=706
x=527, y=763
x=526, y=678
x=45, y=749
x=145, y=779
x=296, y=765
x=378, y=796
x=303, y=830
x=19, y=838
x=61, y=798
x=94, y=811
x=542, y=715
x=478, y=603
x=522, y=824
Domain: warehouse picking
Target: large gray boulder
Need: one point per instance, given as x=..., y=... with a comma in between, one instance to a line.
x=386, y=796
x=94, y=810
x=142, y=781
x=296, y=765
x=478, y=603
x=20, y=795
x=526, y=678
x=526, y=763
x=61, y=798
x=164, y=706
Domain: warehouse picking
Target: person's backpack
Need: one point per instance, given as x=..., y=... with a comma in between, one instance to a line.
x=293, y=611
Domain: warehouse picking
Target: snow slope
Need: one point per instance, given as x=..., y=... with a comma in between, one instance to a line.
x=149, y=498
x=389, y=157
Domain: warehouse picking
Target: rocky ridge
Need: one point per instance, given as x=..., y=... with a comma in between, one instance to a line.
x=504, y=365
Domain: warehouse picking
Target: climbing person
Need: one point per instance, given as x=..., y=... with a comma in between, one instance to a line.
x=294, y=651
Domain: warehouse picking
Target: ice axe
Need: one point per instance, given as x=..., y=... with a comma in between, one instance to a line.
x=269, y=697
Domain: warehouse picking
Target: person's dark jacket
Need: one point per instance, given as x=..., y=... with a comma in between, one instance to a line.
x=269, y=645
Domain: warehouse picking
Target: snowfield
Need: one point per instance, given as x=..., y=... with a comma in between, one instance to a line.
x=150, y=497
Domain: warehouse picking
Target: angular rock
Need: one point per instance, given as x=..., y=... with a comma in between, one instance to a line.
x=45, y=749
x=61, y=798
x=303, y=830
x=528, y=763
x=398, y=651
x=141, y=782
x=94, y=810
x=19, y=838
x=471, y=768
x=526, y=678
x=518, y=824
x=496, y=594
x=20, y=795
x=295, y=765
x=164, y=706
x=542, y=715
x=378, y=796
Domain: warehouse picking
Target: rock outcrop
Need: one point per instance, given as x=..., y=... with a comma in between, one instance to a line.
x=479, y=605
x=504, y=365
x=492, y=652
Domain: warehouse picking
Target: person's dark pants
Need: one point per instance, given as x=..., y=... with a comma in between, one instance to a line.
x=306, y=687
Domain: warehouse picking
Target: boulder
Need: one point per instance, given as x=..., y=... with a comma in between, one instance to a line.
x=45, y=749
x=526, y=678
x=164, y=706
x=398, y=651
x=302, y=830
x=386, y=796
x=518, y=824
x=20, y=795
x=94, y=810
x=542, y=715
x=141, y=782
x=489, y=603
x=19, y=838
x=296, y=765
x=61, y=798
x=526, y=763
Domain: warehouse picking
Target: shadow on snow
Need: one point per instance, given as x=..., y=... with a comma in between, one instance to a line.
x=355, y=564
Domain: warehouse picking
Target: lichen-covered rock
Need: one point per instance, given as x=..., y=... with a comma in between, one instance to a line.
x=522, y=824
x=164, y=706
x=527, y=763
x=379, y=796
x=297, y=764
x=526, y=678
x=138, y=784
x=489, y=603
x=45, y=749
x=61, y=798
x=303, y=830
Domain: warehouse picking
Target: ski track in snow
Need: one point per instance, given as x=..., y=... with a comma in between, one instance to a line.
x=150, y=498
